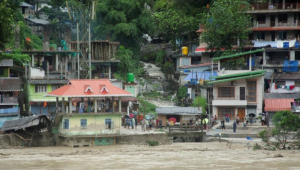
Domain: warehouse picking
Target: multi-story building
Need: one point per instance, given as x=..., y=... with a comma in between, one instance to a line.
x=10, y=87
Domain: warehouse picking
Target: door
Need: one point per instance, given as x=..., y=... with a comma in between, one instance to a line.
x=272, y=21
x=242, y=93
x=241, y=114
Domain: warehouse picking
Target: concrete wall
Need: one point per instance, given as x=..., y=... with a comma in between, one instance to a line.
x=37, y=73
x=236, y=102
x=95, y=125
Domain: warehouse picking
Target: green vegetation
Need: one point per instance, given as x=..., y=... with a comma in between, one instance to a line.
x=123, y=21
x=287, y=125
x=200, y=102
x=152, y=143
x=226, y=23
x=7, y=18
x=182, y=91
x=160, y=55
x=146, y=107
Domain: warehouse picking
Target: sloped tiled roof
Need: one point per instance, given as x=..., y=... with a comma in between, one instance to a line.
x=77, y=88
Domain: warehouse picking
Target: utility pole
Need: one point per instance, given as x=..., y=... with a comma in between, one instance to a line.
x=78, y=49
x=90, y=62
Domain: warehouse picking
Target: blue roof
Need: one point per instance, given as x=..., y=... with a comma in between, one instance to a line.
x=201, y=75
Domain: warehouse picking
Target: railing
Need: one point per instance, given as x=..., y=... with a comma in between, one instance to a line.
x=276, y=6
x=237, y=97
x=9, y=111
x=9, y=100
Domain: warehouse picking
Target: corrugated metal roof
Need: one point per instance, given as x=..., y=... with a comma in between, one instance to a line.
x=6, y=63
x=178, y=110
x=278, y=104
x=25, y=4
x=10, y=84
x=201, y=75
x=39, y=21
x=268, y=75
x=286, y=76
x=27, y=122
x=281, y=96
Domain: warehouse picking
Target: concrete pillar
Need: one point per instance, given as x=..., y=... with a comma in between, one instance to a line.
x=63, y=105
x=56, y=62
x=219, y=65
x=26, y=72
x=56, y=103
x=70, y=105
x=47, y=70
x=95, y=103
x=113, y=106
x=109, y=72
x=283, y=4
x=264, y=58
x=292, y=55
x=120, y=105
x=32, y=60
x=29, y=70
x=250, y=63
x=66, y=66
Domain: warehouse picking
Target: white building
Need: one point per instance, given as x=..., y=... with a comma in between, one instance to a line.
x=237, y=92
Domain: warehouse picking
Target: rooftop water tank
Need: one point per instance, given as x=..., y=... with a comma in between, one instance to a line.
x=130, y=78
x=185, y=51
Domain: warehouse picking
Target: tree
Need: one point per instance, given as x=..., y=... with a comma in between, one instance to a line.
x=7, y=8
x=175, y=18
x=286, y=123
x=226, y=23
x=125, y=21
x=200, y=102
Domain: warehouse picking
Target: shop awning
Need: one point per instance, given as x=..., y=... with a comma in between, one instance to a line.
x=278, y=104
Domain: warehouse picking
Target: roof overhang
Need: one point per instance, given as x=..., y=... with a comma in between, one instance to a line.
x=238, y=76
x=238, y=54
x=117, y=95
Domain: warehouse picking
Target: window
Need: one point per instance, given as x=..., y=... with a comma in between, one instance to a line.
x=109, y=124
x=282, y=18
x=282, y=35
x=54, y=87
x=222, y=112
x=226, y=92
x=260, y=35
x=40, y=88
x=83, y=123
x=66, y=124
x=1, y=71
x=251, y=87
x=261, y=19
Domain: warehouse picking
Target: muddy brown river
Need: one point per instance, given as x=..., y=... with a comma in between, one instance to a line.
x=213, y=155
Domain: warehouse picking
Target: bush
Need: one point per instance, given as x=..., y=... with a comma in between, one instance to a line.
x=152, y=143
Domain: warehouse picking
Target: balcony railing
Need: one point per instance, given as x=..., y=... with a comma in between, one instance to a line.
x=9, y=111
x=237, y=97
x=276, y=6
x=9, y=100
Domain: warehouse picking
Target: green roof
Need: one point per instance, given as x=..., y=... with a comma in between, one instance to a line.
x=237, y=76
x=238, y=54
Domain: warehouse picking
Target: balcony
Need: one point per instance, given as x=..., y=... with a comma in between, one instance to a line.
x=274, y=7
x=229, y=101
x=9, y=100
x=9, y=112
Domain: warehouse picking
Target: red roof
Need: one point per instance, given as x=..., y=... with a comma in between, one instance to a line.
x=89, y=88
x=278, y=104
x=275, y=28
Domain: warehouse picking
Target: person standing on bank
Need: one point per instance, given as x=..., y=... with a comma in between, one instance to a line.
x=234, y=126
x=223, y=124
